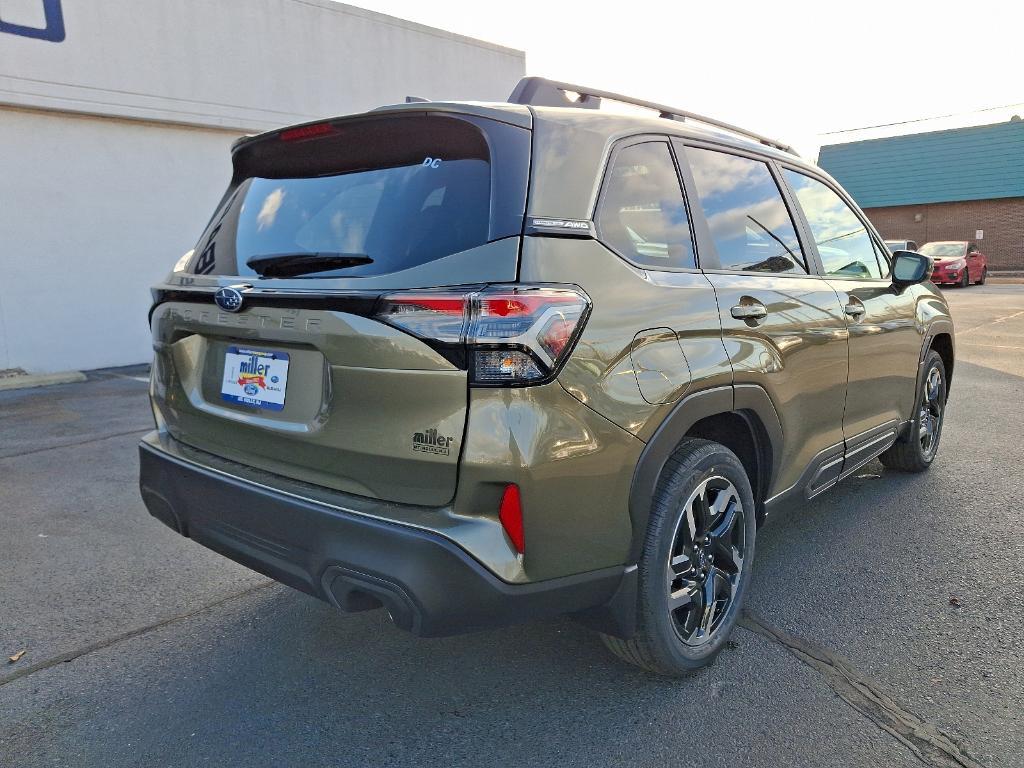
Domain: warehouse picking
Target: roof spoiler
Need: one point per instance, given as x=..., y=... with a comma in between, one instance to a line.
x=541, y=92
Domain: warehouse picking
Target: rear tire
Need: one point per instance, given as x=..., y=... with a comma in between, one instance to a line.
x=916, y=450
x=688, y=603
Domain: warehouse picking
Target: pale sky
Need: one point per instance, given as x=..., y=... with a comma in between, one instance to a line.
x=790, y=70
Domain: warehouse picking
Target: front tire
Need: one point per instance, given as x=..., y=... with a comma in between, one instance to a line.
x=916, y=450
x=965, y=280
x=696, y=562
x=984, y=276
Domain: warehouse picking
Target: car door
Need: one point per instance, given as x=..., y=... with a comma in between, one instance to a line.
x=783, y=326
x=885, y=340
x=975, y=262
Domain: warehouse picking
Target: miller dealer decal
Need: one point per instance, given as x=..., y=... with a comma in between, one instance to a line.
x=428, y=441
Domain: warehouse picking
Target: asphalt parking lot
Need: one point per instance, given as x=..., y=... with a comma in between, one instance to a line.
x=886, y=623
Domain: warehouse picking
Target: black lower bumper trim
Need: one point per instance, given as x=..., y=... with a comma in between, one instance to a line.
x=428, y=584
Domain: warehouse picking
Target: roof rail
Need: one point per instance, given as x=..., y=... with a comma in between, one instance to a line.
x=541, y=92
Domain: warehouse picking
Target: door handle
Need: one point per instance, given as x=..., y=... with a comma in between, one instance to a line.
x=854, y=310
x=749, y=311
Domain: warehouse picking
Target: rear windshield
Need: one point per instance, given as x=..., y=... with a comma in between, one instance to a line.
x=403, y=191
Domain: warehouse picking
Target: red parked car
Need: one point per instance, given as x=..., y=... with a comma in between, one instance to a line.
x=957, y=262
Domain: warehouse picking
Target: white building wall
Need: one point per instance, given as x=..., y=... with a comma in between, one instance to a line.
x=114, y=142
x=94, y=211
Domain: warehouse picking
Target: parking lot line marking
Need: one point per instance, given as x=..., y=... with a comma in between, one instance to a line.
x=101, y=644
x=141, y=430
x=107, y=374
x=932, y=745
x=990, y=322
x=993, y=346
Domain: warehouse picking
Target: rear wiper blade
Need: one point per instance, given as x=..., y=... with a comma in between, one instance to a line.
x=293, y=264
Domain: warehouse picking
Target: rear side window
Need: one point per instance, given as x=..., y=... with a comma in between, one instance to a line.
x=403, y=191
x=844, y=243
x=641, y=214
x=749, y=222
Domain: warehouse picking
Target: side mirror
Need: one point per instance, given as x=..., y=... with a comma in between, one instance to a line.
x=910, y=268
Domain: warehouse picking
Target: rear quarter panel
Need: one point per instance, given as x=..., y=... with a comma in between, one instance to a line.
x=626, y=300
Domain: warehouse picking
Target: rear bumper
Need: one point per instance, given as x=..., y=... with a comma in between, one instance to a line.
x=429, y=584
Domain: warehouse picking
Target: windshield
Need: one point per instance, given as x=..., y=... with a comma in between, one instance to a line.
x=401, y=192
x=943, y=250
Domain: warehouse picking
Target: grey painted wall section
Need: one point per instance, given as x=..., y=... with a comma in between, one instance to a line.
x=95, y=211
x=114, y=143
x=244, y=64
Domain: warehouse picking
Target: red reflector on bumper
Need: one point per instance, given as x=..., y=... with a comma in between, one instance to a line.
x=511, y=516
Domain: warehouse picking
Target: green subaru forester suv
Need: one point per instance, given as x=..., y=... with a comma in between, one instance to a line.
x=479, y=363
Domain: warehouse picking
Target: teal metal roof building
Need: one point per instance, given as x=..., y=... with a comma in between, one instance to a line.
x=984, y=162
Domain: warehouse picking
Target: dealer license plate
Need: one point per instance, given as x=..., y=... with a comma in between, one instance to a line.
x=255, y=377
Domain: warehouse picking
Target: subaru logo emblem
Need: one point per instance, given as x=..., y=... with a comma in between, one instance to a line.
x=228, y=299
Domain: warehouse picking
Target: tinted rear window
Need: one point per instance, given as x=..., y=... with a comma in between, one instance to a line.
x=403, y=191
x=746, y=213
x=641, y=214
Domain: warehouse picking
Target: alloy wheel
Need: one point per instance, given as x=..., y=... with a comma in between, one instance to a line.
x=930, y=416
x=706, y=560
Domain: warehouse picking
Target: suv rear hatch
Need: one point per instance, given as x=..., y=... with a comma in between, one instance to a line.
x=319, y=222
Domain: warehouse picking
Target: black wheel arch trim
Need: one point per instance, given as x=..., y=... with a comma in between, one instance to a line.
x=938, y=327
x=755, y=405
x=749, y=401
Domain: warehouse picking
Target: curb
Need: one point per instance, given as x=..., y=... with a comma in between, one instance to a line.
x=40, y=380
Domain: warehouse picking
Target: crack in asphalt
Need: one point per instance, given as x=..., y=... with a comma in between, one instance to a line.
x=101, y=644
x=933, y=746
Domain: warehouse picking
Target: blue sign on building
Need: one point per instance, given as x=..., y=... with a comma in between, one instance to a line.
x=53, y=31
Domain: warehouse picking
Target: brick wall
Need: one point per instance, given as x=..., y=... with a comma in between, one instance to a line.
x=1002, y=220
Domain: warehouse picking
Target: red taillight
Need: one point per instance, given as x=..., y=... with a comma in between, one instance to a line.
x=555, y=335
x=455, y=305
x=307, y=132
x=515, y=334
x=516, y=303
x=436, y=315
x=511, y=516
